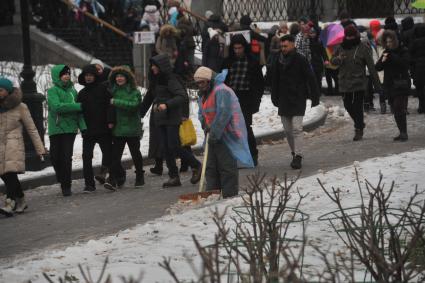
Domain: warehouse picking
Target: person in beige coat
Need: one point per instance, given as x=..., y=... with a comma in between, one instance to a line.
x=13, y=115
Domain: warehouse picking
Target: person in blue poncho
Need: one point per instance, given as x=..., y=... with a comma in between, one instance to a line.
x=220, y=115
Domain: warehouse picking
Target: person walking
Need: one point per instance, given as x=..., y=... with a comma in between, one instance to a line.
x=221, y=117
x=293, y=82
x=417, y=64
x=126, y=128
x=395, y=64
x=170, y=99
x=247, y=81
x=94, y=99
x=352, y=57
x=13, y=115
x=64, y=120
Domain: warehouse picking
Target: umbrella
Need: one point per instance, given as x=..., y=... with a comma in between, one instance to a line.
x=332, y=35
x=420, y=4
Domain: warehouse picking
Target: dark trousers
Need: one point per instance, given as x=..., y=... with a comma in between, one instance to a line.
x=89, y=142
x=13, y=186
x=118, y=145
x=172, y=148
x=318, y=74
x=61, y=150
x=330, y=75
x=247, y=115
x=368, y=100
x=222, y=170
x=420, y=93
x=353, y=103
x=399, y=107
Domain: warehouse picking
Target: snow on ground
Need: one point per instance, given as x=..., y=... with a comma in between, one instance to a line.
x=139, y=249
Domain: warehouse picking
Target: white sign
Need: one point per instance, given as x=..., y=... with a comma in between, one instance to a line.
x=144, y=37
x=245, y=33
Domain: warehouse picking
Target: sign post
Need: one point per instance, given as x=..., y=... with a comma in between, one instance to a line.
x=144, y=38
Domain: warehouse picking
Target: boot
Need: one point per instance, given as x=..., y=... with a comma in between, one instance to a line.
x=110, y=184
x=101, y=177
x=196, y=174
x=7, y=209
x=383, y=108
x=172, y=182
x=401, y=122
x=358, y=135
x=21, y=205
x=89, y=189
x=296, y=161
x=66, y=191
x=402, y=137
x=140, y=179
x=157, y=170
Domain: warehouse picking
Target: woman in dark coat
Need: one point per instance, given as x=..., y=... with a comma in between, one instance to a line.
x=395, y=64
x=417, y=64
x=318, y=55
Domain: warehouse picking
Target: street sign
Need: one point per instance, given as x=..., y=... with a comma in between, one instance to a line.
x=245, y=33
x=144, y=37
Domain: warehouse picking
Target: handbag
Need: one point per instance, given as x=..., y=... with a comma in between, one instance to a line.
x=187, y=133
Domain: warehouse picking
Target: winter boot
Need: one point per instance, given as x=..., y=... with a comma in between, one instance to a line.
x=157, y=170
x=101, y=177
x=172, y=182
x=8, y=208
x=21, y=205
x=402, y=126
x=66, y=191
x=140, y=179
x=196, y=174
x=402, y=137
x=296, y=161
x=383, y=108
x=358, y=135
x=110, y=184
x=89, y=189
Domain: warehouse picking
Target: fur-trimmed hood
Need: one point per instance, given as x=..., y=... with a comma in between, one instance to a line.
x=125, y=70
x=12, y=100
x=168, y=30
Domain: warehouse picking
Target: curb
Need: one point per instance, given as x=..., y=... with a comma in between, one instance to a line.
x=50, y=179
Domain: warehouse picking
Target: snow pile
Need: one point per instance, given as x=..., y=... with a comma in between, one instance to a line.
x=139, y=249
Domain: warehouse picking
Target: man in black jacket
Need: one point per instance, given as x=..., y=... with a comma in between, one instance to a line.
x=94, y=99
x=170, y=99
x=293, y=82
x=247, y=81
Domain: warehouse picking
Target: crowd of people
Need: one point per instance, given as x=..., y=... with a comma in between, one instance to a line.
x=109, y=109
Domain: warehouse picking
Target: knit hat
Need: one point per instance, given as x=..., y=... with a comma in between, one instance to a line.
x=6, y=84
x=64, y=71
x=203, y=74
x=212, y=32
x=97, y=62
x=351, y=30
x=245, y=20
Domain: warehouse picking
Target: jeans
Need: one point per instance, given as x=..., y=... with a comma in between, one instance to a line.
x=293, y=127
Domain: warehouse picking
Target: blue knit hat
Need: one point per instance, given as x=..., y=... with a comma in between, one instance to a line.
x=6, y=84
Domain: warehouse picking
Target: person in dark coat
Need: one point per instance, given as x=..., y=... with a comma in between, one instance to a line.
x=352, y=57
x=258, y=41
x=169, y=106
x=318, y=55
x=94, y=99
x=247, y=81
x=214, y=22
x=407, y=31
x=417, y=64
x=395, y=64
x=293, y=82
x=213, y=55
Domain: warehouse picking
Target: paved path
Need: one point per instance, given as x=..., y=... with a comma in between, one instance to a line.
x=54, y=221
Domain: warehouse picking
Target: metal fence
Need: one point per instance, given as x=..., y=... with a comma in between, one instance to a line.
x=278, y=10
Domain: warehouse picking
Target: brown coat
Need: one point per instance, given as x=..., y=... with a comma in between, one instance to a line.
x=14, y=114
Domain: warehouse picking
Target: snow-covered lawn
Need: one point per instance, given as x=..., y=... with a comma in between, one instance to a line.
x=139, y=249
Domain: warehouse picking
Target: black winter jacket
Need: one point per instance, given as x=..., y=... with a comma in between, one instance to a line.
x=417, y=56
x=166, y=88
x=95, y=103
x=292, y=83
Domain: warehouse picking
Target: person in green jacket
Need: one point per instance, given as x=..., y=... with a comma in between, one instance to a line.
x=127, y=126
x=64, y=120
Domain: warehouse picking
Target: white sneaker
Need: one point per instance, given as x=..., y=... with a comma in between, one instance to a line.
x=7, y=209
x=21, y=205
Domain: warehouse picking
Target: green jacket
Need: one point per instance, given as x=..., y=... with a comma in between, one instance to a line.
x=64, y=114
x=127, y=101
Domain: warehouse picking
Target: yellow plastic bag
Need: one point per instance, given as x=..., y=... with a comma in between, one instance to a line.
x=187, y=133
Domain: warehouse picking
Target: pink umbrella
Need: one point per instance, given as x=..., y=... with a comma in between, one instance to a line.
x=333, y=35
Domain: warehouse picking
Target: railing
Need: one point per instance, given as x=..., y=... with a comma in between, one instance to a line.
x=377, y=8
